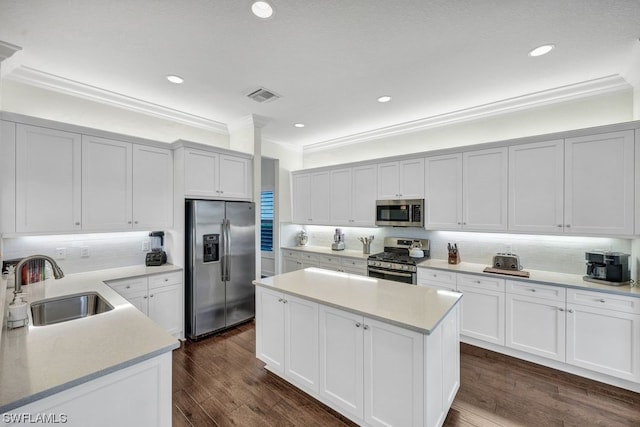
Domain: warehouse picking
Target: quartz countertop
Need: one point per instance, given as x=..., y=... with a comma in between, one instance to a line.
x=413, y=307
x=321, y=250
x=38, y=361
x=536, y=276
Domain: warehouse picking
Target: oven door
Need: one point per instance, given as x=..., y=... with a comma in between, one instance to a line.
x=396, y=276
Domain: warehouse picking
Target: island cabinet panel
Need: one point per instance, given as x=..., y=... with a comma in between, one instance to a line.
x=341, y=361
x=287, y=337
x=393, y=375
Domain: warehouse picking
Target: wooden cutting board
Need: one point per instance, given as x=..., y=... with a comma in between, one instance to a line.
x=518, y=273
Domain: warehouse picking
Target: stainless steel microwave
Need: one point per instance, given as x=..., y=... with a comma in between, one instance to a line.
x=400, y=213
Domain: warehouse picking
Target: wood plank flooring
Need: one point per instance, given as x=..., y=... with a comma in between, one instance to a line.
x=219, y=382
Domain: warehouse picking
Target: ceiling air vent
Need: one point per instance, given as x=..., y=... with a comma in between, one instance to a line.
x=263, y=95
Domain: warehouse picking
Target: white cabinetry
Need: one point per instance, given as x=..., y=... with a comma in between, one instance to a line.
x=216, y=175
x=401, y=179
x=439, y=279
x=371, y=369
x=536, y=319
x=483, y=306
x=48, y=170
x=599, y=184
x=293, y=260
x=311, y=198
x=467, y=191
x=536, y=187
x=152, y=187
x=484, y=190
x=159, y=296
x=353, y=196
x=603, y=333
x=287, y=337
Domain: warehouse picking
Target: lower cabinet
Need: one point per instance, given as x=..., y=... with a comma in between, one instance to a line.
x=158, y=296
x=483, y=307
x=287, y=337
x=374, y=373
x=297, y=260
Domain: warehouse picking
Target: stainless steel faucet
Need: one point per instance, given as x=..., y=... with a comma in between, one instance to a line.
x=57, y=271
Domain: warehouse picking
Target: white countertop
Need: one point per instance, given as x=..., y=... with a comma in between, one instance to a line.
x=348, y=253
x=414, y=307
x=36, y=362
x=537, y=276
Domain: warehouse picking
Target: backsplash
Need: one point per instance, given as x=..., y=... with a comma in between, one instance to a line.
x=105, y=250
x=562, y=254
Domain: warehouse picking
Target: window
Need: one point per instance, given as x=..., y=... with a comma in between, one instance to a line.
x=266, y=221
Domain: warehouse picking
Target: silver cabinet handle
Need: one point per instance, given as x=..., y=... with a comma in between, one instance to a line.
x=559, y=225
x=478, y=281
x=532, y=290
x=560, y=309
x=602, y=301
x=570, y=310
x=151, y=295
x=77, y=223
x=145, y=297
x=128, y=287
x=568, y=225
x=128, y=222
x=358, y=324
x=135, y=222
x=284, y=301
x=365, y=327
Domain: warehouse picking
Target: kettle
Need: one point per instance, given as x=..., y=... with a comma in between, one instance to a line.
x=415, y=251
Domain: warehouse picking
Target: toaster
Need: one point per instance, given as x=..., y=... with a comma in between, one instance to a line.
x=504, y=261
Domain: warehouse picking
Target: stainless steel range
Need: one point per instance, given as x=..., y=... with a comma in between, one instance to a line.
x=395, y=263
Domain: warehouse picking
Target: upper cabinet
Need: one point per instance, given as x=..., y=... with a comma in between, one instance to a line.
x=310, y=193
x=401, y=180
x=536, y=187
x=48, y=186
x=599, y=184
x=467, y=191
x=215, y=175
x=353, y=196
x=152, y=187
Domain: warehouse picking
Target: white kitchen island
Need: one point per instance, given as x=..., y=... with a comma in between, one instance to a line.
x=379, y=352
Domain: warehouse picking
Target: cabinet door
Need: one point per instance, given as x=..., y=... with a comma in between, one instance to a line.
x=341, y=196
x=48, y=175
x=301, y=343
x=482, y=314
x=363, y=195
x=301, y=198
x=106, y=184
x=235, y=177
x=484, y=190
x=201, y=171
x=599, y=180
x=603, y=340
x=320, y=198
x=411, y=179
x=139, y=299
x=443, y=192
x=394, y=375
x=165, y=308
x=388, y=181
x=270, y=329
x=536, y=187
x=536, y=326
x=341, y=361
x=291, y=264
x=152, y=187
x=637, y=183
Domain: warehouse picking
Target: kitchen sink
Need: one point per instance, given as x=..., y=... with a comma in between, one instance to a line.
x=68, y=307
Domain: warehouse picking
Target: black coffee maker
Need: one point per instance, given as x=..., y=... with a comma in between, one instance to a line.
x=612, y=267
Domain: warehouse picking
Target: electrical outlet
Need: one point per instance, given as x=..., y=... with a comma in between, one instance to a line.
x=84, y=251
x=145, y=246
x=61, y=253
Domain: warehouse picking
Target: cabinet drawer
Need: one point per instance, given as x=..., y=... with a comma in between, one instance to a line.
x=555, y=293
x=483, y=282
x=440, y=276
x=127, y=286
x=165, y=279
x=604, y=300
x=353, y=263
x=291, y=254
x=309, y=257
x=328, y=259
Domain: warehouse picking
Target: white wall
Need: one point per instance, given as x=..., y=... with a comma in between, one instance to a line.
x=290, y=159
x=37, y=102
x=581, y=113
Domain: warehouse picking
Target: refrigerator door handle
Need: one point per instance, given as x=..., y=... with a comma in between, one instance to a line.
x=226, y=268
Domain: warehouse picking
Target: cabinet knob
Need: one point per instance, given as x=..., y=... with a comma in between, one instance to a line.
x=532, y=290
x=478, y=281
x=464, y=223
x=570, y=310
x=166, y=279
x=279, y=299
x=568, y=225
x=365, y=327
x=135, y=222
x=77, y=223
x=145, y=297
x=151, y=295
x=559, y=226
x=560, y=309
x=128, y=286
x=128, y=222
x=602, y=301
x=358, y=324
x=284, y=301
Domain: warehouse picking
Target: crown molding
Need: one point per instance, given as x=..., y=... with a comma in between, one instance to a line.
x=598, y=86
x=59, y=84
x=7, y=50
x=249, y=121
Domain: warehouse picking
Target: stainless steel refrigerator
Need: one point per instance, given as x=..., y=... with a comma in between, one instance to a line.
x=220, y=265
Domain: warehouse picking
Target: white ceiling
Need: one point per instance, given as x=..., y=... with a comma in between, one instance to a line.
x=328, y=59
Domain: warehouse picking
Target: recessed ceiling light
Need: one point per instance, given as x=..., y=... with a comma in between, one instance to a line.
x=384, y=99
x=262, y=9
x=299, y=125
x=542, y=50
x=175, y=79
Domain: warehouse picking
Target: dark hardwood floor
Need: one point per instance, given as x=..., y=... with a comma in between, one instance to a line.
x=219, y=382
